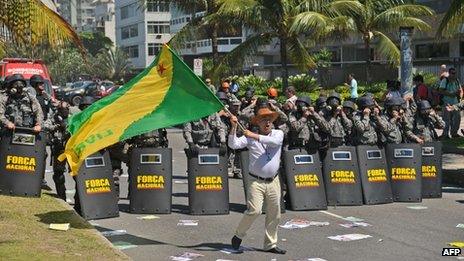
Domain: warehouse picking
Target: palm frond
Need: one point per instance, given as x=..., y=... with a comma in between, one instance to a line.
x=399, y=15
x=310, y=21
x=452, y=21
x=387, y=48
x=299, y=55
x=348, y=7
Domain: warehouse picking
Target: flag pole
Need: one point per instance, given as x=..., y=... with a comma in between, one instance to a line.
x=226, y=109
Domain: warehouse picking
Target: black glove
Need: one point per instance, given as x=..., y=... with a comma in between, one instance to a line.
x=223, y=149
x=193, y=149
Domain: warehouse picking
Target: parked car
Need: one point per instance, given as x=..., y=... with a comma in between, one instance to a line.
x=78, y=90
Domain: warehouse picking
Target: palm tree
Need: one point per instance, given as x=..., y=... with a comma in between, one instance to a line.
x=285, y=20
x=31, y=23
x=452, y=20
x=114, y=63
x=375, y=19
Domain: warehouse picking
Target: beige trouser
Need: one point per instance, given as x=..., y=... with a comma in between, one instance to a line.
x=260, y=192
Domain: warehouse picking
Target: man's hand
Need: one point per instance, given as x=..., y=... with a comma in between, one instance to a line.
x=376, y=111
x=10, y=126
x=338, y=111
x=419, y=140
x=366, y=112
x=254, y=100
x=432, y=112
x=37, y=128
x=396, y=115
x=233, y=121
x=449, y=107
x=223, y=113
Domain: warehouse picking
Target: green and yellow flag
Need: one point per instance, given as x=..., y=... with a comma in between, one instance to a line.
x=166, y=93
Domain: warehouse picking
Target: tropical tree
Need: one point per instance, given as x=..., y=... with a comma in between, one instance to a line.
x=95, y=41
x=285, y=20
x=453, y=19
x=31, y=23
x=114, y=63
x=374, y=20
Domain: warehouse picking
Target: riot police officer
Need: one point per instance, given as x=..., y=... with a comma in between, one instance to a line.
x=56, y=127
x=206, y=132
x=340, y=125
x=308, y=129
x=46, y=102
x=390, y=124
x=422, y=128
x=365, y=123
x=349, y=109
x=321, y=103
x=17, y=107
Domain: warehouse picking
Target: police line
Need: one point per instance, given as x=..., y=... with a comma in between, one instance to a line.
x=346, y=176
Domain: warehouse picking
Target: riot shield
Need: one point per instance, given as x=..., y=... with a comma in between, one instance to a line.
x=404, y=164
x=150, y=180
x=375, y=180
x=431, y=169
x=208, y=183
x=22, y=157
x=341, y=176
x=305, y=184
x=96, y=189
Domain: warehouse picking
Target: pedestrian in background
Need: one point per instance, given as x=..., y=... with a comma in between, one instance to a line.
x=353, y=84
x=451, y=90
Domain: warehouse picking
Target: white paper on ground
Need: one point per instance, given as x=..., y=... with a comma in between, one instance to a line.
x=114, y=233
x=121, y=245
x=349, y=237
x=60, y=227
x=353, y=219
x=460, y=225
x=148, y=217
x=355, y=224
x=188, y=223
x=417, y=207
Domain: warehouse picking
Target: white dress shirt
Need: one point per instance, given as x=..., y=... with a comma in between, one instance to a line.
x=264, y=154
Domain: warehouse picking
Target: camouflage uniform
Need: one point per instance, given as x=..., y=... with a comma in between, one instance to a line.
x=390, y=128
x=365, y=126
x=424, y=124
x=340, y=127
x=204, y=133
x=22, y=110
x=56, y=128
x=307, y=132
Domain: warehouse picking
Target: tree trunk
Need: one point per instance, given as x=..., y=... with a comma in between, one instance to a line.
x=214, y=45
x=367, y=46
x=283, y=60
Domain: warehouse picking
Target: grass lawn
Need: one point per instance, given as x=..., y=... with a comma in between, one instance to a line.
x=24, y=233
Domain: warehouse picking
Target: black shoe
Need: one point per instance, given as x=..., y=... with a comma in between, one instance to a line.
x=277, y=250
x=462, y=131
x=236, y=243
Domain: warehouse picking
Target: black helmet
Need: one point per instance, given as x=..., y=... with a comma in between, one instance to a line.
x=10, y=79
x=251, y=89
x=304, y=99
x=334, y=95
x=262, y=103
x=36, y=79
x=350, y=105
x=249, y=94
x=365, y=102
x=369, y=94
x=394, y=101
x=222, y=96
x=321, y=100
x=424, y=105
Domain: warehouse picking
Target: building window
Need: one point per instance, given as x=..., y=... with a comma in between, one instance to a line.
x=223, y=41
x=432, y=50
x=132, y=51
x=158, y=28
x=157, y=6
x=128, y=11
x=154, y=49
x=235, y=41
x=129, y=31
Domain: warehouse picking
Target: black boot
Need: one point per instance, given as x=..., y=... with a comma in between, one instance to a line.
x=235, y=242
x=59, y=180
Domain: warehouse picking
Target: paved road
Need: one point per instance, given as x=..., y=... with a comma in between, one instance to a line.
x=398, y=233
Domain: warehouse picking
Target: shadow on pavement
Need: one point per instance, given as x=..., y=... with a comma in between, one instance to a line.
x=179, y=177
x=452, y=190
x=235, y=207
x=132, y=239
x=460, y=201
x=64, y=216
x=123, y=207
x=183, y=209
x=208, y=246
x=180, y=195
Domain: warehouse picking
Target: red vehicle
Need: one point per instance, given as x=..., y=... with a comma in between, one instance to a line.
x=27, y=68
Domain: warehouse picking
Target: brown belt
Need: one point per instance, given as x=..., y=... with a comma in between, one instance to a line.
x=263, y=179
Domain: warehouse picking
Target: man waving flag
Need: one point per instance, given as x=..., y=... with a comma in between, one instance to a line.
x=166, y=93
